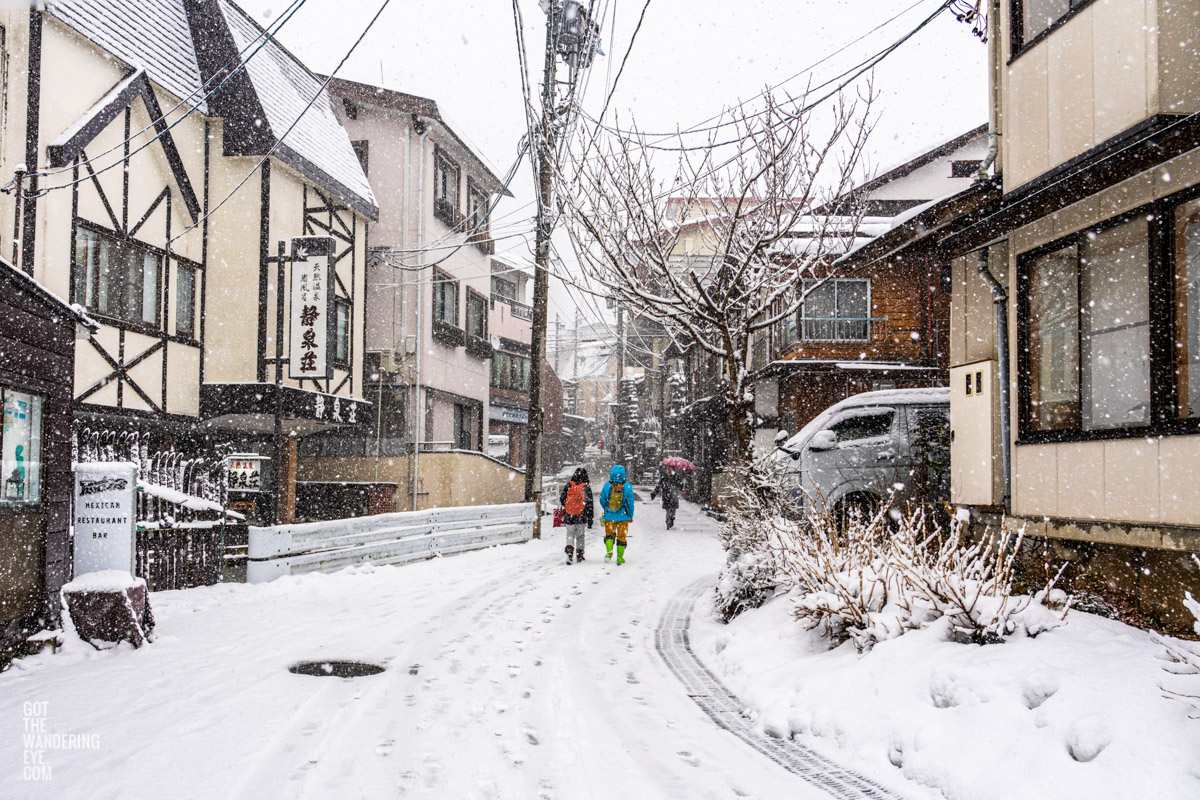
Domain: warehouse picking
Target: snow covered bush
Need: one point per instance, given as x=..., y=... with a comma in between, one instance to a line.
x=1184, y=659
x=876, y=577
x=751, y=534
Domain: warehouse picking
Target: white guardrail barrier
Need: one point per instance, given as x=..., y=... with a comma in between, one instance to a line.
x=383, y=539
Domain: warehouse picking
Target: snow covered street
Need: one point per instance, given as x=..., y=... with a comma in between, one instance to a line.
x=509, y=675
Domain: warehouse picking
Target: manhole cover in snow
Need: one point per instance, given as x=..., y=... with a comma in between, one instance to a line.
x=335, y=669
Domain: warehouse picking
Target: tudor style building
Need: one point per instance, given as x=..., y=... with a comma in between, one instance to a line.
x=170, y=151
x=1095, y=247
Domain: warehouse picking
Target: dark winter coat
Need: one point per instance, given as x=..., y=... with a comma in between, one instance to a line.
x=589, y=512
x=669, y=487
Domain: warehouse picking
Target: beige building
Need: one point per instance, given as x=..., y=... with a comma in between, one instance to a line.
x=428, y=287
x=168, y=155
x=1095, y=243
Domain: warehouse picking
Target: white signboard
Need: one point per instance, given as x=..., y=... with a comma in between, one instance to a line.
x=245, y=473
x=311, y=307
x=105, y=516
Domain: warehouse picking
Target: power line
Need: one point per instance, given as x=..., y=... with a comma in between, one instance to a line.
x=295, y=122
x=850, y=75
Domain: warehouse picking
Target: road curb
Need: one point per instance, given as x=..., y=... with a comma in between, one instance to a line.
x=673, y=644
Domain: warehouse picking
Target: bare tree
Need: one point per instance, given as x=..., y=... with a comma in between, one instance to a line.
x=719, y=253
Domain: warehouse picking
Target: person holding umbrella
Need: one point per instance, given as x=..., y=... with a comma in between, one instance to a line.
x=670, y=485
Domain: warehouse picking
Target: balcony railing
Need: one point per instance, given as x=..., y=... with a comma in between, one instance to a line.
x=519, y=310
x=839, y=329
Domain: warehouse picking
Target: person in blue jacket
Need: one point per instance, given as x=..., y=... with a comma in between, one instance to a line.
x=616, y=499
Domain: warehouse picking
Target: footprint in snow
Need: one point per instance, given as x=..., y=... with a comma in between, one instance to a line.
x=689, y=758
x=513, y=670
x=385, y=747
x=532, y=737
x=631, y=678
x=625, y=634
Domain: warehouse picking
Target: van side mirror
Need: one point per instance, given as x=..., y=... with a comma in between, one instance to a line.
x=823, y=440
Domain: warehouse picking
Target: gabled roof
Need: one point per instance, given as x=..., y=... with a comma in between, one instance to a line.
x=903, y=170
x=188, y=46
x=366, y=94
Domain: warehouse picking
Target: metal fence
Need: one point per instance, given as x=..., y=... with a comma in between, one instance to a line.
x=383, y=539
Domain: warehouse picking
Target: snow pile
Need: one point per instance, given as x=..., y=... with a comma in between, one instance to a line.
x=104, y=580
x=1075, y=713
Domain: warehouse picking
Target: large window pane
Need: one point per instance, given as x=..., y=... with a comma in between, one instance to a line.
x=1187, y=308
x=185, y=301
x=1040, y=15
x=820, y=307
x=21, y=448
x=1114, y=292
x=852, y=310
x=1054, y=341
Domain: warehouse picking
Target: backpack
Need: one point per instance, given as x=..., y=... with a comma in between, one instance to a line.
x=576, y=497
x=616, y=496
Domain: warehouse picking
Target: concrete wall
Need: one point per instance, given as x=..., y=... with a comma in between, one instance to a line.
x=446, y=479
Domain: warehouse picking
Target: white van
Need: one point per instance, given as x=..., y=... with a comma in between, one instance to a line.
x=856, y=451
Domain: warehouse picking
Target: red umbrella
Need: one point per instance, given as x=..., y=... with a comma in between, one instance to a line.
x=678, y=463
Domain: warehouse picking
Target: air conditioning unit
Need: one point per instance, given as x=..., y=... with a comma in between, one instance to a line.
x=387, y=360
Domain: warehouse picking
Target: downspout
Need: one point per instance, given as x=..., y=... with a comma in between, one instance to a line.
x=994, y=91
x=1000, y=300
x=417, y=405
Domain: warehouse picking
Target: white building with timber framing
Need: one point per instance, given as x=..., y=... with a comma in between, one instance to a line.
x=168, y=155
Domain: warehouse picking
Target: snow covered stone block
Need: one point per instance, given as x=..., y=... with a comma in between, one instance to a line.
x=109, y=607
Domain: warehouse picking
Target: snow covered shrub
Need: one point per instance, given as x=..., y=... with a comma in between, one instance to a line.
x=1184, y=659
x=876, y=577
x=750, y=533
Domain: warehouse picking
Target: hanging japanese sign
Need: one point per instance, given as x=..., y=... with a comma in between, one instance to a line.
x=311, y=307
x=105, y=516
x=245, y=473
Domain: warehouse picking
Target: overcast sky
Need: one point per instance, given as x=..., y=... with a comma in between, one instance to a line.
x=690, y=59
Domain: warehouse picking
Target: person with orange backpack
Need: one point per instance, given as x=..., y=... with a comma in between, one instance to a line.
x=616, y=499
x=576, y=501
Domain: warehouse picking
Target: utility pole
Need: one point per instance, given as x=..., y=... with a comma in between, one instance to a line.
x=570, y=34
x=620, y=408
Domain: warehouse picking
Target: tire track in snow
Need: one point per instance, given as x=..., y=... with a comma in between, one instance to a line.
x=672, y=642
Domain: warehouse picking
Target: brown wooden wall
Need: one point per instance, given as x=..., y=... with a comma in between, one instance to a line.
x=906, y=292
x=37, y=354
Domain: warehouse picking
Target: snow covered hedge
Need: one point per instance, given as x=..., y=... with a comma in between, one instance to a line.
x=869, y=579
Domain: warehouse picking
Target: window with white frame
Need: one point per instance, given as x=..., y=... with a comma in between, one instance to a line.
x=836, y=310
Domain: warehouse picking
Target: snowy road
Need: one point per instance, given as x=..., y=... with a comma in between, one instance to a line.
x=509, y=675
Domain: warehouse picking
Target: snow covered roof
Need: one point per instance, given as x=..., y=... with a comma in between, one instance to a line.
x=154, y=35
x=74, y=310
x=182, y=44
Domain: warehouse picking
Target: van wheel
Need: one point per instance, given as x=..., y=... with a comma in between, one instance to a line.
x=861, y=506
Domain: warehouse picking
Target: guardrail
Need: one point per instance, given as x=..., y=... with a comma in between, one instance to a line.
x=383, y=539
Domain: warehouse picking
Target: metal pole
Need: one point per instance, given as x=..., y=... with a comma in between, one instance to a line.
x=20, y=196
x=541, y=282
x=278, y=443
x=1000, y=299
x=620, y=408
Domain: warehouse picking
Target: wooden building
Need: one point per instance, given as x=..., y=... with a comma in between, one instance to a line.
x=37, y=365
x=878, y=317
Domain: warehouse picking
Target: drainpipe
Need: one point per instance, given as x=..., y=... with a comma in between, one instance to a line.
x=993, y=91
x=417, y=405
x=1000, y=299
